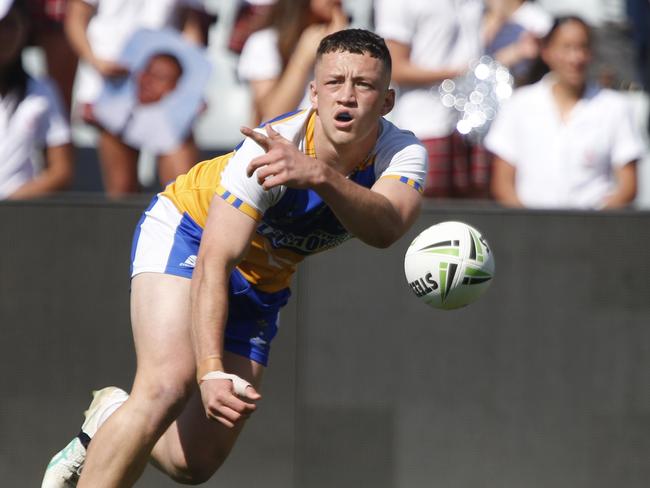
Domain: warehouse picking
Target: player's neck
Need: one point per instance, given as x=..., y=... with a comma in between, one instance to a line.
x=344, y=157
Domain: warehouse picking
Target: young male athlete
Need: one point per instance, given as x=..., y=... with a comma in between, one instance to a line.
x=213, y=256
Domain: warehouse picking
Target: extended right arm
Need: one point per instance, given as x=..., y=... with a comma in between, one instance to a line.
x=225, y=240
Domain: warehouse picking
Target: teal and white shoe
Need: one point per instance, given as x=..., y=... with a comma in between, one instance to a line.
x=65, y=467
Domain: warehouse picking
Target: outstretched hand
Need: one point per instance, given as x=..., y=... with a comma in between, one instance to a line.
x=283, y=163
x=223, y=405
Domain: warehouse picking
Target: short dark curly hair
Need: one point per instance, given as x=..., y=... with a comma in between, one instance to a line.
x=356, y=41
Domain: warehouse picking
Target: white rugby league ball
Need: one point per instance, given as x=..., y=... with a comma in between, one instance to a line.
x=449, y=265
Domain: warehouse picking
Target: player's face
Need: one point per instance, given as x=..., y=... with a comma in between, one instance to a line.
x=350, y=93
x=13, y=36
x=568, y=53
x=157, y=80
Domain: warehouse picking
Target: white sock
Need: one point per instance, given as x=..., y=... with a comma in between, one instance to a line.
x=108, y=411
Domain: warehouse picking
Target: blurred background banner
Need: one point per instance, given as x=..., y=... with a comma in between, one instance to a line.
x=162, y=125
x=543, y=382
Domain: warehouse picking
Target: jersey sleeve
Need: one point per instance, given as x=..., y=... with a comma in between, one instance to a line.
x=242, y=192
x=404, y=161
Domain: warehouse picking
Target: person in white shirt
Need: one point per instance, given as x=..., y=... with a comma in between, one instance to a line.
x=564, y=142
x=278, y=61
x=98, y=30
x=429, y=42
x=32, y=117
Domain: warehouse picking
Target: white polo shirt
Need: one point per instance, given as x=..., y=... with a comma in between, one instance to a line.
x=442, y=34
x=38, y=121
x=565, y=164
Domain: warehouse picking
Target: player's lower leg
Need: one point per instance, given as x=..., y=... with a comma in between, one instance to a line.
x=119, y=452
x=66, y=465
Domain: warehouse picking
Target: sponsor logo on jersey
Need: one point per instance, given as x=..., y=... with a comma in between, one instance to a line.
x=303, y=244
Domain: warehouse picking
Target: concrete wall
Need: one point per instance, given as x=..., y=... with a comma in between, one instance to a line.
x=544, y=382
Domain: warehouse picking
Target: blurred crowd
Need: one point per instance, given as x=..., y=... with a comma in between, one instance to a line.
x=569, y=135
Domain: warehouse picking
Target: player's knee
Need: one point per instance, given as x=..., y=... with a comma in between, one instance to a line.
x=196, y=471
x=168, y=399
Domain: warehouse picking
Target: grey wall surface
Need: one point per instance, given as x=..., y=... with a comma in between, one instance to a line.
x=543, y=382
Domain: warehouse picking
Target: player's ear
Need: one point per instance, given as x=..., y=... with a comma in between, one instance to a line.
x=389, y=101
x=313, y=94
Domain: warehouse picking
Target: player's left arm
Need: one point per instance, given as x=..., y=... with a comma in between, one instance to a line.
x=626, y=187
x=378, y=216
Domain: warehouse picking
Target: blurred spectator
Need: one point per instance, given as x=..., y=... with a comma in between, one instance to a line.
x=564, y=141
x=98, y=30
x=278, y=61
x=31, y=117
x=512, y=31
x=252, y=15
x=613, y=48
x=154, y=109
x=154, y=83
x=430, y=42
x=47, y=18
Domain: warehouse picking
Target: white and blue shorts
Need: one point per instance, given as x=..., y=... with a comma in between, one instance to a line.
x=167, y=241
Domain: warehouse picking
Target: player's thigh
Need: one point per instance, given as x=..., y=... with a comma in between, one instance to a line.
x=160, y=316
x=197, y=445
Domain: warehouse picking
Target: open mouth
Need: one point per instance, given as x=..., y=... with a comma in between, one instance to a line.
x=343, y=117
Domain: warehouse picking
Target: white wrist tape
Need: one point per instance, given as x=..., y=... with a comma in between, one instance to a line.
x=238, y=384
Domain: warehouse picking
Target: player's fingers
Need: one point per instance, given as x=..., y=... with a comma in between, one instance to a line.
x=260, y=139
x=272, y=181
x=230, y=415
x=251, y=393
x=219, y=418
x=272, y=133
x=235, y=404
x=258, y=162
x=225, y=422
x=268, y=171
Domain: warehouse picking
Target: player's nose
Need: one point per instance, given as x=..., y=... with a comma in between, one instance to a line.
x=346, y=94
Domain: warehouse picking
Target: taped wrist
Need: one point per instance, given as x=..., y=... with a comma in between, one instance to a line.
x=238, y=384
x=208, y=364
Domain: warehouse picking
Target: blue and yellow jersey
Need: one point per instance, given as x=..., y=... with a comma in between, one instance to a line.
x=292, y=223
